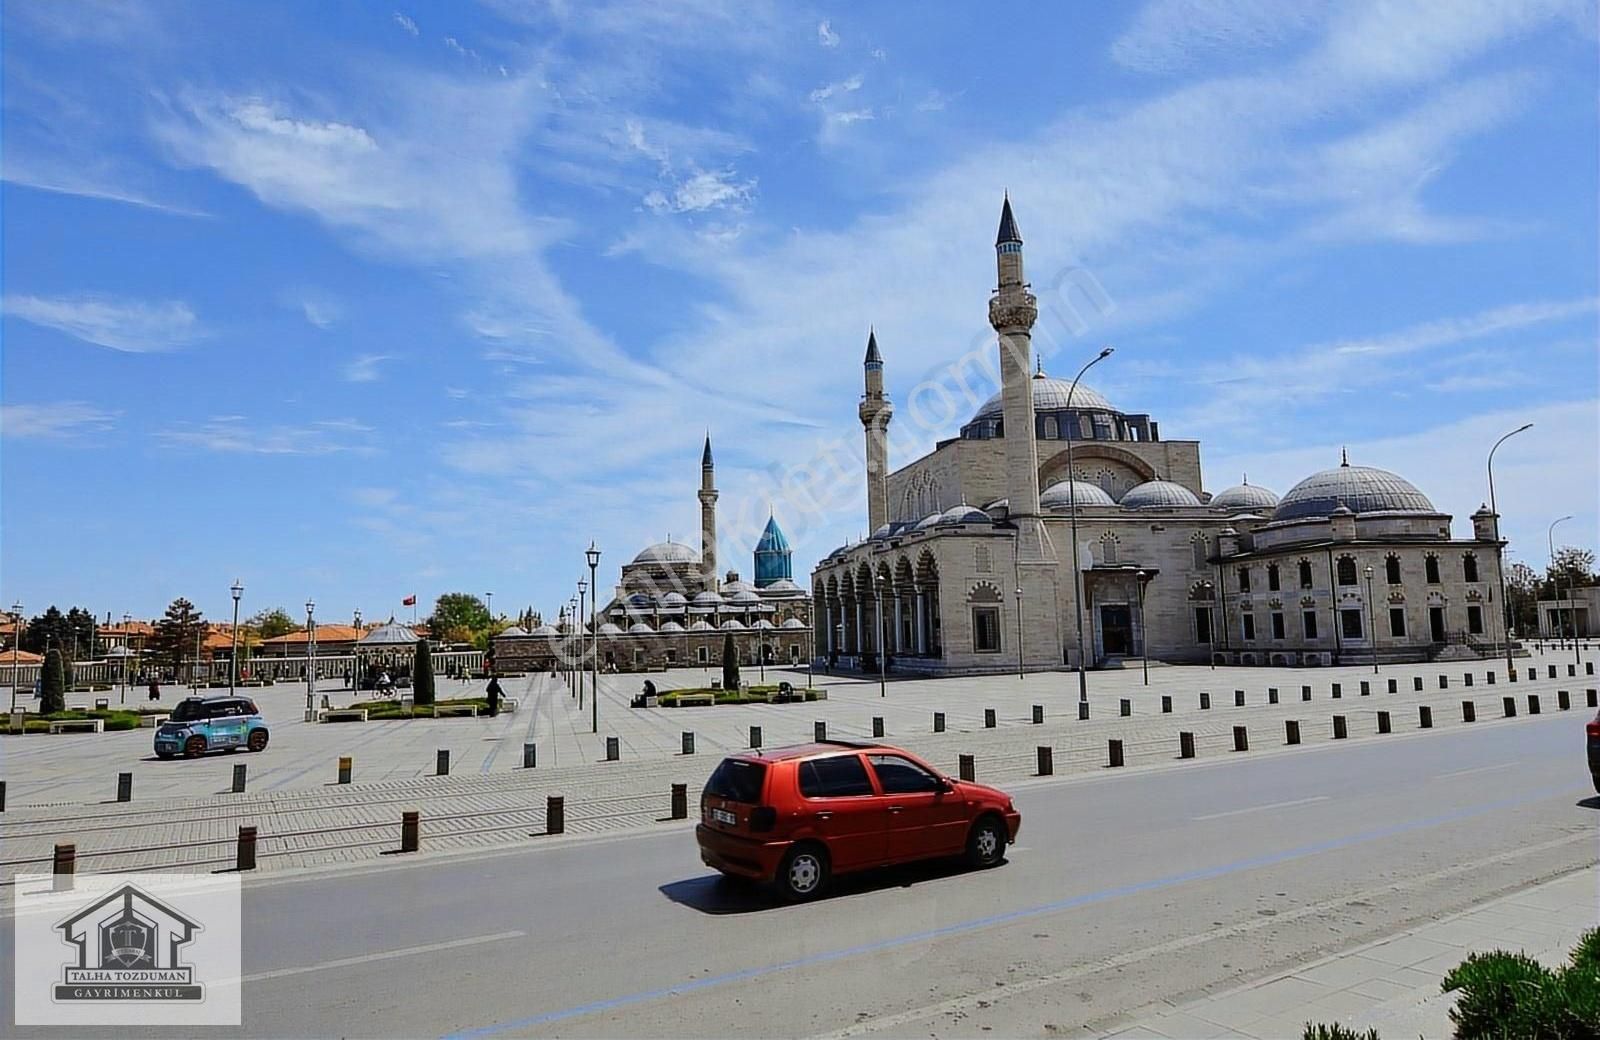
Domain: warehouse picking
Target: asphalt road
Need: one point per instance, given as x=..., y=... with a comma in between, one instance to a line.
x=1124, y=889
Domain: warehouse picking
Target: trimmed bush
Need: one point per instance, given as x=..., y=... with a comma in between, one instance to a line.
x=422, y=675
x=1512, y=995
x=1319, y=1031
x=730, y=663
x=53, y=684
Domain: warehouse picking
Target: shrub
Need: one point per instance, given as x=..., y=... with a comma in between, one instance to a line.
x=422, y=675
x=1320, y=1031
x=730, y=663
x=1512, y=995
x=52, y=684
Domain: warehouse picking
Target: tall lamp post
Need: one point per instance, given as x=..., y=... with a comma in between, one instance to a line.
x=16, y=645
x=1499, y=556
x=237, y=588
x=577, y=669
x=1372, y=633
x=1020, y=672
x=488, y=598
x=877, y=589
x=127, y=645
x=1072, y=510
x=1211, y=623
x=311, y=660
x=355, y=655
x=1144, y=629
x=583, y=589
x=593, y=555
x=1555, y=578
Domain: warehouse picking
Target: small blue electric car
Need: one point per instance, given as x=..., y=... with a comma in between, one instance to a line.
x=201, y=724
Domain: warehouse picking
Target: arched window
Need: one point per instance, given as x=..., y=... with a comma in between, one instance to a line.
x=1108, y=550
x=1347, y=570
x=1199, y=552
x=1052, y=430
x=1305, y=574
x=1391, y=569
x=1431, y=564
x=1244, y=579
x=1469, y=567
x=1272, y=579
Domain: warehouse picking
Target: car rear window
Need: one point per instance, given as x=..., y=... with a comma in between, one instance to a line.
x=738, y=780
x=189, y=711
x=249, y=707
x=839, y=776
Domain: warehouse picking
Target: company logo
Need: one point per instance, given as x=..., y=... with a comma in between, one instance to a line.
x=130, y=947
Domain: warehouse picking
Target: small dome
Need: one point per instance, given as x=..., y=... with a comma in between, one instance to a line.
x=744, y=598
x=671, y=626
x=701, y=626
x=707, y=599
x=609, y=629
x=1247, y=497
x=392, y=634
x=964, y=515
x=667, y=552
x=733, y=588
x=763, y=625
x=513, y=632
x=673, y=599
x=1158, y=494
x=1056, y=496
x=639, y=628
x=883, y=531
x=1361, y=489
x=783, y=586
x=545, y=630
x=928, y=521
x=1050, y=395
x=793, y=623
x=733, y=626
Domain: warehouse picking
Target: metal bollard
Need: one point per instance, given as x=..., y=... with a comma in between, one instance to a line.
x=1533, y=704
x=63, y=865
x=1394, y=685
x=1338, y=691
x=1339, y=730
x=345, y=765
x=877, y=727
x=688, y=742
x=1564, y=700
x=1046, y=761
x=938, y=722
x=555, y=814
x=410, y=830
x=988, y=718
x=1185, y=744
x=1205, y=701
x=1241, y=739
x=1424, y=717
x=680, y=801
x=1038, y=714
x=1083, y=710
x=1466, y=680
x=1509, y=707
x=239, y=769
x=441, y=762
x=819, y=731
x=1305, y=693
x=1126, y=707
x=1383, y=722
x=244, y=857
x=124, y=787
x=1416, y=683
x=1114, y=754
x=530, y=756
x=613, y=749
x=965, y=768
x=1366, y=688
x=1469, y=711
x=1238, y=698
x=1291, y=731
x=755, y=736
x=1166, y=704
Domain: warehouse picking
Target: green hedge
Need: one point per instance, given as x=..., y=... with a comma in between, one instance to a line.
x=114, y=719
x=1512, y=995
x=386, y=709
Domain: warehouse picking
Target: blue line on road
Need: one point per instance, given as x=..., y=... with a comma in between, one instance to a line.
x=1087, y=899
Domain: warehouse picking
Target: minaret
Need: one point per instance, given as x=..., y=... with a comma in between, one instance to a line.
x=1012, y=312
x=875, y=412
x=708, y=517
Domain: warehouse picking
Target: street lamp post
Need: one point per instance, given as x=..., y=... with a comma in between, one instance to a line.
x=237, y=588
x=1372, y=633
x=1211, y=623
x=16, y=645
x=1555, y=578
x=1499, y=556
x=877, y=589
x=593, y=555
x=355, y=655
x=583, y=589
x=127, y=646
x=1078, y=584
x=1144, y=629
x=1020, y=672
x=311, y=661
x=489, y=605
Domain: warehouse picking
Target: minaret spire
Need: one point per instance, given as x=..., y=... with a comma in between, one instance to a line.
x=708, y=517
x=875, y=412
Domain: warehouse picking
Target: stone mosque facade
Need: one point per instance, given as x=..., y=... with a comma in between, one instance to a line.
x=671, y=608
x=970, y=564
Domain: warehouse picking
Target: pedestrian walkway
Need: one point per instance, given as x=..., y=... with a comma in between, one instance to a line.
x=1391, y=985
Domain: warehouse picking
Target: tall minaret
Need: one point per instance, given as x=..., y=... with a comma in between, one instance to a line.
x=875, y=412
x=1012, y=312
x=708, y=517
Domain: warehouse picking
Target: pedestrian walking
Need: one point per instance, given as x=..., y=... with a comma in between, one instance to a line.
x=494, y=696
x=155, y=690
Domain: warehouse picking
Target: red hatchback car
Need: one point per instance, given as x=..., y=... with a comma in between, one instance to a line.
x=798, y=815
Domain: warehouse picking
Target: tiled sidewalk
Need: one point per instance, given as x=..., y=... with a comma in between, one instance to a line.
x=1392, y=985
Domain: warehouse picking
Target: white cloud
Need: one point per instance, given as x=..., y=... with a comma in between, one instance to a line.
x=702, y=191
x=318, y=307
x=856, y=115
x=133, y=326
x=232, y=435
x=364, y=369
x=1168, y=35
x=91, y=179
x=823, y=93
x=406, y=23
x=55, y=420
x=825, y=34
x=879, y=54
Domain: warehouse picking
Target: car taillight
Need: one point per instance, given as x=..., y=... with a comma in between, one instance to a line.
x=1593, y=729
x=763, y=818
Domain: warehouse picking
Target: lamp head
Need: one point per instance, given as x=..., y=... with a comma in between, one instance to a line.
x=310, y=606
x=1107, y=352
x=583, y=586
x=593, y=554
x=237, y=588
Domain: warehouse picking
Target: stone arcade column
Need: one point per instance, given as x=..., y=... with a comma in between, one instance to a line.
x=922, y=621
x=899, y=623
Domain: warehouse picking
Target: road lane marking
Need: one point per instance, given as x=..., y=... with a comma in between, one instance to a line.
x=1480, y=769
x=386, y=955
x=1261, y=808
x=687, y=986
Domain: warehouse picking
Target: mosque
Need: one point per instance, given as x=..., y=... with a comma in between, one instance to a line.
x=671, y=608
x=971, y=561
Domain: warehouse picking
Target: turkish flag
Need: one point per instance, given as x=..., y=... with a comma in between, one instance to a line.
x=409, y=601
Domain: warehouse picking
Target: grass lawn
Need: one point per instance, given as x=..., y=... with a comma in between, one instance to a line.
x=381, y=708
x=126, y=718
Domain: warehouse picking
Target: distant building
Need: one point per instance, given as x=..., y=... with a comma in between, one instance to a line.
x=1577, y=612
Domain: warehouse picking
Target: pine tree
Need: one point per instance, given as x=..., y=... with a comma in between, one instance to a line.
x=422, y=675
x=730, y=663
x=177, y=633
x=53, y=684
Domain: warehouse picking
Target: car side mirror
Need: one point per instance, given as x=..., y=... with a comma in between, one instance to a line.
x=946, y=784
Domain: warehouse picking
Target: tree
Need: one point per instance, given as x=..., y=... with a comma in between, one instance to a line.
x=422, y=675
x=177, y=633
x=53, y=684
x=47, y=631
x=273, y=623
x=457, y=617
x=1522, y=589
x=730, y=663
x=1574, y=567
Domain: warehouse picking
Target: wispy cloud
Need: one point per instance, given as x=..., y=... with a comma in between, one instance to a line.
x=844, y=86
x=60, y=419
x=233, y=435
x=406, y=23
x=90, y=182
x=133, y=326
x=710, y=189
x=364, y=369
x=825, y=34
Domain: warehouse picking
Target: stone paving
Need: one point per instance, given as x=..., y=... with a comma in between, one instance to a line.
x=62, y=788
x=1391, y=985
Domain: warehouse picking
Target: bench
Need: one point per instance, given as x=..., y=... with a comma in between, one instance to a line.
x=152, y=721
x=80, y=725
x=697, y=700
x=445, y=710
x=508, y=705
x=342, y=715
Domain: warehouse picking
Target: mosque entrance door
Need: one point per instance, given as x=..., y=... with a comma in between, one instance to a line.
x=1116, y=630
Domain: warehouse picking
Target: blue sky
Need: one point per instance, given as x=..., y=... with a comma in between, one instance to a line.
x=359, y=300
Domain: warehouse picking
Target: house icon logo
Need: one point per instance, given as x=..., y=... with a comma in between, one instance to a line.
x=128, y=945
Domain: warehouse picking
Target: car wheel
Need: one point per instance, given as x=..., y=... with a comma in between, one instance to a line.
x=986, y=845
x=804, y=873
x=194, y=747
x=257, y=740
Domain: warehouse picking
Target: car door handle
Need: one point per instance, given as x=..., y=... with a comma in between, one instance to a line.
x=897, y=808
x=824, y=815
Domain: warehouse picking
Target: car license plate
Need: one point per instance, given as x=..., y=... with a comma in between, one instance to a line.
x=724, y=816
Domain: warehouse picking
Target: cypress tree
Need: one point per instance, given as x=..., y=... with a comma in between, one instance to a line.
x=730, y=664
x=53, y=685
x=422, y=675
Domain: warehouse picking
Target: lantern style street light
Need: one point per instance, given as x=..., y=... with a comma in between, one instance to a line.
x=1211, y=623
x=593, y=556
x=16, y=646
x=311, y=660
x=237, y=588
x=1499, y=555
x=1078, y=584
x=1144, y=629
x=1372, y=633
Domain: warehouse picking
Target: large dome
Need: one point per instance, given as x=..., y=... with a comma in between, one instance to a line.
x=1245, y=496
x=1050, y=395
x=1364, y=489
x=1158, y=494
x=1060, y=495
x=667, y=552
